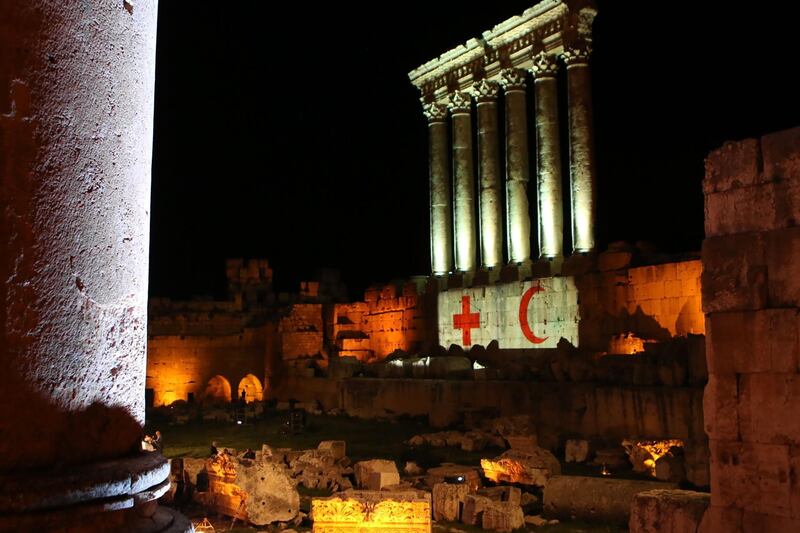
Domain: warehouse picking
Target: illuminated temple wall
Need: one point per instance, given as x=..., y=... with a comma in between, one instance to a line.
x=387, y=320
x=179, y=365
x=653, y=302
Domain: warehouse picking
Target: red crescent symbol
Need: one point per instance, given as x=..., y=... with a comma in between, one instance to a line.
x=523, y=315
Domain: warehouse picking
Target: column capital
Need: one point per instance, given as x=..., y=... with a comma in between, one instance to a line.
x=486, y=91
x=513, y=78
x=460, y=102
x=434, y=112
x=544, y=66
x=577, y=54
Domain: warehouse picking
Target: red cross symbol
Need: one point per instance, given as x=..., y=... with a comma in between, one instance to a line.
x=466, y=321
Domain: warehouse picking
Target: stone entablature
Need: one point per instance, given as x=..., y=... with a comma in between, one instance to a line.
x=551, y=26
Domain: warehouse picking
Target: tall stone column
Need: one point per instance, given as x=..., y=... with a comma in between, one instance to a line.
x=548, y=156
x=463, y=182
x=518, y=219
x=581, y=147
x=76, y=123
x=491, y=206
x=439, y=173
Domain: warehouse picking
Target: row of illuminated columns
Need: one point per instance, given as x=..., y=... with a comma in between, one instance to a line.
x=453, y=228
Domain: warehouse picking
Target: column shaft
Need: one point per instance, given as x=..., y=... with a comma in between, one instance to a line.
x=491, y=207
x=518, y=220
x=581, y=149
x=77, y=127
x=548, y=158
x=439, y=174
x=463, y=183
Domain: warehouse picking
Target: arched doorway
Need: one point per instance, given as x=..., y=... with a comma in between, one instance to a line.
x=218, y=390
x=251, y=386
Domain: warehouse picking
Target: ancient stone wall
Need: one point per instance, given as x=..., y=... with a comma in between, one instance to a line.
x=751, y=295
x=654, y=302
x=302, y=332
x=180, y=365
x=387, y=320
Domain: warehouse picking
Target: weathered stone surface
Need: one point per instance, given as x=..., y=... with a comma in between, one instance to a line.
x=533, y=467
x=376, y=474
x=576, y=450
x=503, y=493
x=448, y=498
x=754, y=341
x=668, y=511
x=474, y=505
x=260, y=492
x=720, y=412
x=502, y=516
x=450, y=367
x=735, y=164
x=270, y=494
x=336, y=448
x=606, y=500
x=734, y=273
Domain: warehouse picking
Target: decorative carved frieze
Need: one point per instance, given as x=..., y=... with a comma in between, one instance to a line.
x=434, y=112
x=577, y=54
x=486, y=91
x=460, y=102
x=513, y=78
x=544, y=65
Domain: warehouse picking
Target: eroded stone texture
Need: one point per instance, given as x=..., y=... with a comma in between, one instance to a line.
x=605, y=500
x=534, y=466
x=751, y=295
x=668, y=511
x=76, y=119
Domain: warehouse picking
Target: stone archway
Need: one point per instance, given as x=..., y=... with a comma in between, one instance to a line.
x=218, y=389
x=251, y=386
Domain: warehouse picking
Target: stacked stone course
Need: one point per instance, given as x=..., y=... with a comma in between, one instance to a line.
x=751, y=295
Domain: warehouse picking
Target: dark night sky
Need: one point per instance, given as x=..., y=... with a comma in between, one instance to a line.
x=295, y=135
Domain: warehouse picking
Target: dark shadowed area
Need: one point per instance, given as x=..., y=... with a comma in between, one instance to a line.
x=294, y=134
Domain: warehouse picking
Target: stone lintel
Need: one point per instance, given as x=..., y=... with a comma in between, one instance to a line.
x=510, y=44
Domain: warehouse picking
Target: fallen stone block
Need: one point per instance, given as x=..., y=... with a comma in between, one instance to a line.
x=336, y=448
x=474, y=505
x=522, y=442
x=668, y=511
x=502, y=493
x=601, y=500
x=532, y=467
x=448, y=499
x=576, y=450
x=502, y=516
x=255, y=491
x=376, y=474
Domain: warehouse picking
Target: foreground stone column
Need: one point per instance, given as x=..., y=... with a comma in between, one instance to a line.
x=491, y=206
x=518, y=219
x=463, y=182
x=76, y=123
x=548, y=154
x=439, y=167
x=581, y=147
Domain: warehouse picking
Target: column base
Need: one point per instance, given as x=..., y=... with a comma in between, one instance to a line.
x=118, y=495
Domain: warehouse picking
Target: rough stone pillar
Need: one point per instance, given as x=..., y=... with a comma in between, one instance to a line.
x=548, y=157
x=490, y=207
x=76, y=133
x=441, y=214
x=581, y=147
x=518, y=219
x=463, y=182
